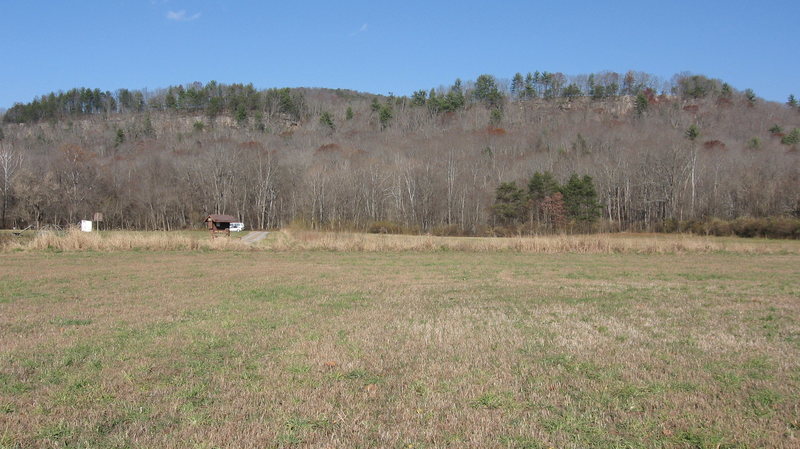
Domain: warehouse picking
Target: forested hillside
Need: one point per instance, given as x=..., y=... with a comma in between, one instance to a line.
x=540, y=152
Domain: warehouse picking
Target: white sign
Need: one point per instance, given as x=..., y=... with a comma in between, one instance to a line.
x=86, y=226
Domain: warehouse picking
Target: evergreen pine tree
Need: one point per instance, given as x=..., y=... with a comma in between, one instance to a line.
x=580, y=199
x=509, y=204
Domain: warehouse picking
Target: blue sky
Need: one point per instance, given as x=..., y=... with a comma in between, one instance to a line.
x=383, y=47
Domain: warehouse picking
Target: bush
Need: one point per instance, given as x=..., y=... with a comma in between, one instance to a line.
x=749, y=227
x=772, y=227
x=793, y=138
x=696, y=227
x=783, y=228
x=384, y=227
x=668, y=226
x=718, y=227
x=682, y=226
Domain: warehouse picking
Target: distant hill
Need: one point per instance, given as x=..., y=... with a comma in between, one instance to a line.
x=468, y=158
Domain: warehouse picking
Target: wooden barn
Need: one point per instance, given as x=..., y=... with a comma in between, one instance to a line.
x=219, y=223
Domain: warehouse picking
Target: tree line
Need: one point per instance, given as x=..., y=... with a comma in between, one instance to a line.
x=540, y=152
x=211, y=99
x=241, y=100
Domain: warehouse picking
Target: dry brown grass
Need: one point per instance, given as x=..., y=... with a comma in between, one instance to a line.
x=75, y=240
x=294, y=240
x=550, y=244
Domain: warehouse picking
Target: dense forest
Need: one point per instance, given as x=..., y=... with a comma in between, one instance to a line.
x=539, y=152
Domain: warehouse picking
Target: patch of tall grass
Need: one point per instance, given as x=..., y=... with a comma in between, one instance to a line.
x=588, y=244
x=75, y=240
x=290, y=240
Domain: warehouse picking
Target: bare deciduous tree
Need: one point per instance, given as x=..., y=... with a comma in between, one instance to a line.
x=10, y=162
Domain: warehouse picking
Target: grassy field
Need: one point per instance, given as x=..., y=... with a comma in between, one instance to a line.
x=303, y=343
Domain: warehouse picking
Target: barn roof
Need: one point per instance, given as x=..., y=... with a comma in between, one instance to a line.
x=220, y=218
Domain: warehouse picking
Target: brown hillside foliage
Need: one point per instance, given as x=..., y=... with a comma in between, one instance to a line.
x=492, y=131
x=417, y=167
x=713, y=144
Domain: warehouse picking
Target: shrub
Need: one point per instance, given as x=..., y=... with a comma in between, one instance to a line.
x=696, y=227
x=682, y=226
x=772, y=227
x=669, y=226
x=783, y=228
x=449, y=231
x=749, y=227
x=793, y=138
x=718, y=227
x=384, y=227
x=776, y=129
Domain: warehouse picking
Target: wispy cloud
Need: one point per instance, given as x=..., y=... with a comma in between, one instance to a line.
x=180, y=16
x=360, y=30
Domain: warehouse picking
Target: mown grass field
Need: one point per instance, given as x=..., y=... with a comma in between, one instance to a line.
x=399, y=349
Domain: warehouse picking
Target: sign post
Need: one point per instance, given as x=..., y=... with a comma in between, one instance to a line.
x=98, y=217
